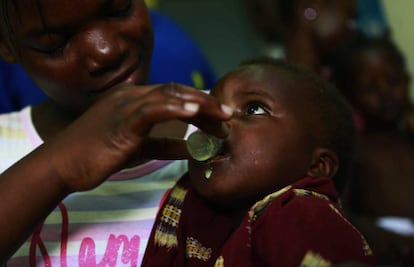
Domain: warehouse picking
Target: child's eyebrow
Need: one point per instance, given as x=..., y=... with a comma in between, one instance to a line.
x=255, y=92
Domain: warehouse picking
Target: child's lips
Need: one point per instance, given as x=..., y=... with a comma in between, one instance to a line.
x=224, y=154
x=218, y=159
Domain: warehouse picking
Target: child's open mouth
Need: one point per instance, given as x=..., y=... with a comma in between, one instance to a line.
x=203, y=147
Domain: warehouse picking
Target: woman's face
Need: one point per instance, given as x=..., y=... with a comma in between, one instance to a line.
x=77, y=50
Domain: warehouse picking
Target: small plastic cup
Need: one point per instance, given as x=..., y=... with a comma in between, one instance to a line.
x=202, y=146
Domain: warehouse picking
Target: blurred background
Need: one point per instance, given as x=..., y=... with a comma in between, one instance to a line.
x=196, y=41
x=222, y=30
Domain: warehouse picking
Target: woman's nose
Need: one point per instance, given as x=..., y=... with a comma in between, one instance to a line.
x=103, y=51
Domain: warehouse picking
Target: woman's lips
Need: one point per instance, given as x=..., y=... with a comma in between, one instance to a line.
x=130, y=78
x=129, y=75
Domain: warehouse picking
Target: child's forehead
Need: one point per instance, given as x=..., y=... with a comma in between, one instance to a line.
x=261, y=73
x=287, y=87
x=272, y=78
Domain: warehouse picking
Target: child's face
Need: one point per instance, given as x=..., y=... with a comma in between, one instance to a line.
x=76, y=50
x=268, y=146
x=380, y=87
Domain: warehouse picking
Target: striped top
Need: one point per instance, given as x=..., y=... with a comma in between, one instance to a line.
x=108, y=226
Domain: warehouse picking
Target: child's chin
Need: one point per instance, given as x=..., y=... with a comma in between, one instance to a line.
x=221, y=201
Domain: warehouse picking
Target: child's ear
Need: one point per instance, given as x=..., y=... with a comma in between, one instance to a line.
x=324, y=163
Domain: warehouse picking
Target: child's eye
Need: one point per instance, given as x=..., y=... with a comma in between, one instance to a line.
x=256, y=109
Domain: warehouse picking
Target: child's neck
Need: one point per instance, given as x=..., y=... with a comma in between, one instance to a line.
x=235, y=213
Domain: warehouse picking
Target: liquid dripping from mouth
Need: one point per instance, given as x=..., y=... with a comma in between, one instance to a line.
x=202, y=146
x=207, y=173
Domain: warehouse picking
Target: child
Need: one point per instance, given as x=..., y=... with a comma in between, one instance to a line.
x=92, y=60
x=268, y=197
x=375, y=80
x=372, y=75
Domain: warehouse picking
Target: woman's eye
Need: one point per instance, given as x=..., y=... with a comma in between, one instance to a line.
x=53, y=50
x=50, y=43
x=56, y=50
x=256, y=109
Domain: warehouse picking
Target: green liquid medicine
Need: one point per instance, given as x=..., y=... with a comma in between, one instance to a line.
x=202, y=146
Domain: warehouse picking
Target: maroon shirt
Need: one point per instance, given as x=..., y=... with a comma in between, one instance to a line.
x=296, y=226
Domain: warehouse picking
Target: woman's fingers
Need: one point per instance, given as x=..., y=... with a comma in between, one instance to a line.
x=117, y=128
x=174, y=101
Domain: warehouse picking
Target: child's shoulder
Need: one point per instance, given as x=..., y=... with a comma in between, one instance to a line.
x=310, y=206
x=305, y=195
x=313, y=221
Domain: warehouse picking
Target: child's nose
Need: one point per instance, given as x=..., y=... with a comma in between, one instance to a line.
x=103, y=51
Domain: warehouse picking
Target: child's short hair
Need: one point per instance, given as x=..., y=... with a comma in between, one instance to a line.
x=333, y=115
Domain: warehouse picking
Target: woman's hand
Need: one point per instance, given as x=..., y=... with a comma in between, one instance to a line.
x=116, y=130
x=109, y=135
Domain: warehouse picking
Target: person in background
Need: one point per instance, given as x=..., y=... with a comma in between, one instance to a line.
x=306, y=32
x=371, y=20
x=374, y=78
x=82, y=173
x=269, y=197
x=176, y=58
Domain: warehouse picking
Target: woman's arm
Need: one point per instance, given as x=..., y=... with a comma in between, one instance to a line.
x=99, y=143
